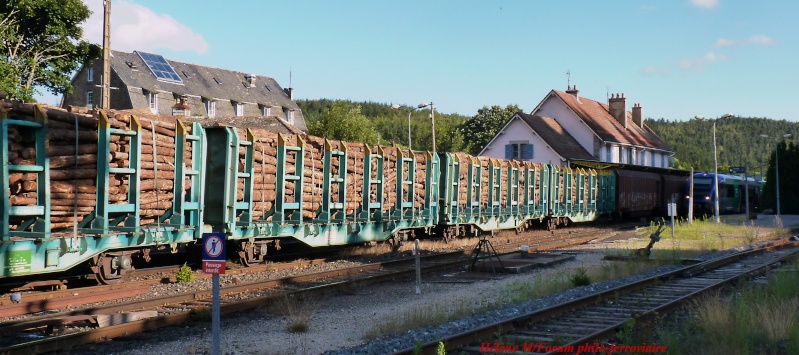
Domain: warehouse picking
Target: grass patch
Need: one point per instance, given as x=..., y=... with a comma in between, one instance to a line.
x=298, y=311
x=756, y=319
x=580, y=277
x=700, y=237
x=200, y=313
x=517, y=291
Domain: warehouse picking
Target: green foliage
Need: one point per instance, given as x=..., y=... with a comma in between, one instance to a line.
x=580, y=277
x=201, y=313
x=184, y=274
x=442, y=350
x=479, y=130
x=417, y=347
x=343, y=121
x=40, y=45
x=391, y=125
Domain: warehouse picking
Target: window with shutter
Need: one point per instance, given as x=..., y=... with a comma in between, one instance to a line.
x=527, y=151
x=519, y=151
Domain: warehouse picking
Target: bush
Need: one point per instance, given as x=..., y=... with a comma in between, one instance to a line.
x=185, y=274
x=580, y=278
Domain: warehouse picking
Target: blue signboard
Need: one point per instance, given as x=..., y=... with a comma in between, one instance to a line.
x=214, y=247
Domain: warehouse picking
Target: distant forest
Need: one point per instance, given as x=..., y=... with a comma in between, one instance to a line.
x=738, y=139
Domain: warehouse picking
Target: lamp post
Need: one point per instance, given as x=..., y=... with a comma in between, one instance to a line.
x=715, y=167
x=397, y=107
x=432, y=118
x=716, y=171
x=777, y=167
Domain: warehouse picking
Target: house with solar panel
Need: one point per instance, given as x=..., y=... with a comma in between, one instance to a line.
x=146, y=81
x=568, y=130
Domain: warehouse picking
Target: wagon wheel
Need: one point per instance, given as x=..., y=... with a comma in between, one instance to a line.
x=247, y=254
x=395, y=243
x=110, y=269
x=552, y=224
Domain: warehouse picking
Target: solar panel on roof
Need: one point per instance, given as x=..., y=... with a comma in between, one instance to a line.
x=160, y=67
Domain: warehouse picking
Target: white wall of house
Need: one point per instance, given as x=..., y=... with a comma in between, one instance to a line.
x=516, y=132
x=556, y=108
x=658, y=159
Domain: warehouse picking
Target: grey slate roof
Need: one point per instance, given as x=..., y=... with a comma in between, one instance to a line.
x=200, y=82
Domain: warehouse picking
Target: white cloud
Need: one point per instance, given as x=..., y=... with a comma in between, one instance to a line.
x=135, y=27
x=708, y=4
x=653, y=70
x=756, y=39
x=698, y=63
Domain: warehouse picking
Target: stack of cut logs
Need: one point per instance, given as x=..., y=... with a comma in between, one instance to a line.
x=463, y=179
x=72, y=148
x=73, y=169
x=265, y=181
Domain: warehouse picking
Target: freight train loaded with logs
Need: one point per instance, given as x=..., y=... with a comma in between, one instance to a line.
x=102, y=192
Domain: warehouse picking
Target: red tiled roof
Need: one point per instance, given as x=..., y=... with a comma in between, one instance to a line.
x=597, y=116
x=558, y=139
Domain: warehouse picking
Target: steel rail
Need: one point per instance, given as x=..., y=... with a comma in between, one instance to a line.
x=201, y=297
x=492, y=330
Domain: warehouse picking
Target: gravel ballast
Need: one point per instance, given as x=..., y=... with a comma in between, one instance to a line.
x=341, y=321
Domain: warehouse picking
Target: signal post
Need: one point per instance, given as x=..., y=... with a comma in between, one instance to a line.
x=214, y=263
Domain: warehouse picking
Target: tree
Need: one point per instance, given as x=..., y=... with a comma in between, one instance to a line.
x=481, y=128
x=343, y=122
x=40, y=45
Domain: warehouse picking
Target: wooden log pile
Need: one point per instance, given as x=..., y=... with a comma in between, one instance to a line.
x=72, y=148
x=463, y=179
x=73, y=168
x=265, y=168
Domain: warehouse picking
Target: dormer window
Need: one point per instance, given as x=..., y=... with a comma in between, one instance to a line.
x=210, y=107
x=239, y=107
x=152, y=101
x=266, y=110
x=290, y=116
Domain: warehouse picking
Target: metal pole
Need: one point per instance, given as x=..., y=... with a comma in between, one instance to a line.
x=716, y=168
x=673, y=211
x=777, y=159
x=217, y=349
x=418, y=267
x=746, y=187
x=106, y=80
x=691, y=199
x=433, y=117
x=409, y=129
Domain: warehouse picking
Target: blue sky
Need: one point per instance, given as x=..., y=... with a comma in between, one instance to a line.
x=678, y=58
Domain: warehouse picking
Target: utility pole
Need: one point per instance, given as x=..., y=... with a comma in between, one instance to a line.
x=433, y=118
x=106, y=100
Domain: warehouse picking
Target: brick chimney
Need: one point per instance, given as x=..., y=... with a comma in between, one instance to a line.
x=617, y=105
x=574, y=92
x=638, y=118
x=289, y=92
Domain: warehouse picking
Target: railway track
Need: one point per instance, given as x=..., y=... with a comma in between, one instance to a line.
x=79, y=327
x=35, y=300
x=586, y=321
